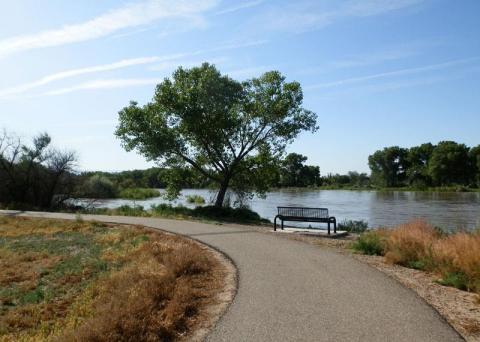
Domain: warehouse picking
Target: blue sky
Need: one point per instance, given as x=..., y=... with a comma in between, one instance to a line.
x=377, y=72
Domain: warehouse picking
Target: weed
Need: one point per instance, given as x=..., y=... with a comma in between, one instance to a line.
x=370, y=243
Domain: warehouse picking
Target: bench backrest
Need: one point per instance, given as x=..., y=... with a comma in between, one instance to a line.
x=303, y=212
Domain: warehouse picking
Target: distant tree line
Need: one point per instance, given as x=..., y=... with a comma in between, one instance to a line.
x=446, y=164
x=34, y=176
x=291, y=171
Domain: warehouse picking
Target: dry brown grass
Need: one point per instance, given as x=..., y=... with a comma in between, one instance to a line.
x=158, y=287
x=156, y=298
x=460, y=254
x=454, y=257
x=411, y=243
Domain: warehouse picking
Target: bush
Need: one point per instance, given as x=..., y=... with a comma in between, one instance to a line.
x=138, y=193
x=168, y=210
x=197, y=199
x=370, y=243
x=227, y=214
x=99, y=187
x=353, y=226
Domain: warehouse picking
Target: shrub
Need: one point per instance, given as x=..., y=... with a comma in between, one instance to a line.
x=138, y=193
x=170, y=211
x=353, y=226
x=371, y=243
x=126, y=210
x=99, y=187
x=411, y=244
x=227, y=214
x=197, y=199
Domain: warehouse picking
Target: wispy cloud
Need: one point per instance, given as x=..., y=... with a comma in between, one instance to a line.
x=132, y=15
x=401, y=72
x=164, y=62
x=106, y=84
x=310, y=15
x=240, y=6
x=76, y=72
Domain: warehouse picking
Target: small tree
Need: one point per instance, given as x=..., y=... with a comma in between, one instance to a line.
x=226, y=130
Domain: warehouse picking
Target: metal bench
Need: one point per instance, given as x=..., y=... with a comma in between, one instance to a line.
x=301, y=214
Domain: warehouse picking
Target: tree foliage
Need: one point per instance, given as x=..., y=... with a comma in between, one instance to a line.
x=445, y=164
x=294, y=172
x=388, y=166
x=36, y=175
x=228, y=131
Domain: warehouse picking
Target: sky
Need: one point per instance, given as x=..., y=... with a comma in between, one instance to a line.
x=377, y=72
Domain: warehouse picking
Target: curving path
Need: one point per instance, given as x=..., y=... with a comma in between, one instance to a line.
x=292, y=291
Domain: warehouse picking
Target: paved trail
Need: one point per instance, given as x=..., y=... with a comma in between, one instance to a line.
x=292, y=291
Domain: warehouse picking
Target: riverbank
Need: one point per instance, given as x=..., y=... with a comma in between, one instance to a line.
x=205, y=213
x=459, y=307
x=78, y=280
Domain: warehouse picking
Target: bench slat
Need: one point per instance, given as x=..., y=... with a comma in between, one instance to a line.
x=300, y=212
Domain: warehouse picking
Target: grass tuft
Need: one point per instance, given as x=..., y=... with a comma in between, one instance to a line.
x=196, y=199
x=138, y=193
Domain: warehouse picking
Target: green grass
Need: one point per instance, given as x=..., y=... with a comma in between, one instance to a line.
x=353, y=226
x=138, y=193
x=370, y=243
x=196, y=199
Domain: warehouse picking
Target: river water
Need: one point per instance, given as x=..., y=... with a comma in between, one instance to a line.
x=449, y=210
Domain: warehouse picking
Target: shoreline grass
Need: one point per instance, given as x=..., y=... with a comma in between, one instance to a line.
x=206, y=213
x=138, y=193
x=87, y=281
x=454, y=257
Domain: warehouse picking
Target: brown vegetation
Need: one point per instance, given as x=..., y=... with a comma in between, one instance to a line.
x=79, y=281
x=454, y=257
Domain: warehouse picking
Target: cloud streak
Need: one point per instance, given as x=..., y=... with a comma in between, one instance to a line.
x=105, y=84
x=132, y=15
x=395, y=73
x=241, y=6
x=164, y=62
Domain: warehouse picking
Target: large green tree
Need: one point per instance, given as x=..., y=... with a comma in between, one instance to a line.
x=475, y=164
x=231, y=132
x=294, y=172
x=418, y=158
x=450, y=164
x=389, y=166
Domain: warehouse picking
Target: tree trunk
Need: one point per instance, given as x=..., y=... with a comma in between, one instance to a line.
x=221, y=194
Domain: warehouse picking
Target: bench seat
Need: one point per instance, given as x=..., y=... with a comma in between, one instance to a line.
x=304, y=214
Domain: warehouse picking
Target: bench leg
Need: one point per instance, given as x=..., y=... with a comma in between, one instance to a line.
x=328, y=228
x=282, y=225
x=335, y=227
x=275, y=224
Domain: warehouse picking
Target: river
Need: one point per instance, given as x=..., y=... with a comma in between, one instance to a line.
x=449, y=210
